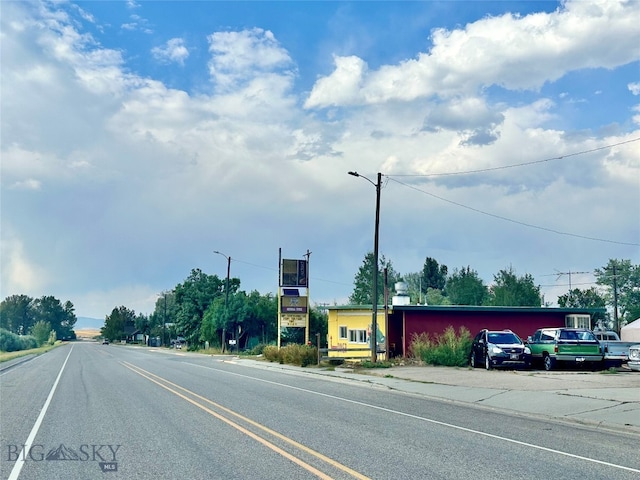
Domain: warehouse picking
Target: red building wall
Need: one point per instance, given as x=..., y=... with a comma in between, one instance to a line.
x=405, y=322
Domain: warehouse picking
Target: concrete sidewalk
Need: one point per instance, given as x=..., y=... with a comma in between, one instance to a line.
x=602, y=399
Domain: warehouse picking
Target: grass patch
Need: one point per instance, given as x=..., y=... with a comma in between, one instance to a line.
x=6, y=356
x=370, y=364
x=609, y=371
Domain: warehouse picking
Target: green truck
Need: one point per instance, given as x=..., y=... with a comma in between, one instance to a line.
x=576, y=346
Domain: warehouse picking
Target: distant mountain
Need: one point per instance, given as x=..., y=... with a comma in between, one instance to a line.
x=87, y=323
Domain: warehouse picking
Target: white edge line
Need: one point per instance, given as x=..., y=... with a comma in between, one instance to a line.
x=17, y=467
x=436, y=422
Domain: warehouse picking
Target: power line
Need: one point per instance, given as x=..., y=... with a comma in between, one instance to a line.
x=275, y=270
x=524, y=164
x=538, y=227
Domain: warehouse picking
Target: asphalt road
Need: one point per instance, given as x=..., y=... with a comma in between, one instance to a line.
x=87, y=411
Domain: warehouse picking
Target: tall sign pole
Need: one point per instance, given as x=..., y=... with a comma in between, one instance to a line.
x=279, y=296
x=306, y=329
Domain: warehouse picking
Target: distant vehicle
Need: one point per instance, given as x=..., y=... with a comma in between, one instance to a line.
x=499, y=348
x=577, y=346
x=105, y=342
x=616, y=352
x=634, y=358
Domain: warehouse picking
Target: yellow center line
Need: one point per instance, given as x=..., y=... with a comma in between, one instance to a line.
x=148, y=375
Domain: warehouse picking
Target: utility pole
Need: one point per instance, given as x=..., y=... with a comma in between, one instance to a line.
x=226, y=303
x=374, y=299
x=615, y=299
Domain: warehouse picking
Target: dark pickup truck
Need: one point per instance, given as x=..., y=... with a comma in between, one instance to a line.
x=550, y=346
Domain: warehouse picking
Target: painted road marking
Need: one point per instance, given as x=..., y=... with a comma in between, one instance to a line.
x=17, y=467
x=158, y=381
x=428, y=420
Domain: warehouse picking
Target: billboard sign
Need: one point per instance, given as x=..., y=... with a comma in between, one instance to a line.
x=294, y=273
x=293, y=304
x=294, y=320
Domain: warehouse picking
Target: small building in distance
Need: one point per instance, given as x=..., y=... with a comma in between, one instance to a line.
x=349, y=326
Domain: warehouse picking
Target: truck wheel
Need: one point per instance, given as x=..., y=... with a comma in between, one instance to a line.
x=487, y=362
x=549, y=363
x=472, y=360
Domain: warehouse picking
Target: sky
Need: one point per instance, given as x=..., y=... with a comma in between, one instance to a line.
x=139, y=137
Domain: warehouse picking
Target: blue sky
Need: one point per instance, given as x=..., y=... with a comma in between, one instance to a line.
x=139, y=137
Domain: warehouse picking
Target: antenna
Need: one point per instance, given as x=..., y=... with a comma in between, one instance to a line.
x=560, y=274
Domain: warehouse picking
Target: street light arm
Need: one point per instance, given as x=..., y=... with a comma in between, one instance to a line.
x=356, y=174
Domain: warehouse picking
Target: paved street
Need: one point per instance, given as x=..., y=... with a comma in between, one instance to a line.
x=86, y=410
x=598, y=399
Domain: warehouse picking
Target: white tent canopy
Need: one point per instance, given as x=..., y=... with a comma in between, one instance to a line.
x=631, y=332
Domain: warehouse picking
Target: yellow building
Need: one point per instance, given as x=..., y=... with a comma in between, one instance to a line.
x=349, y=332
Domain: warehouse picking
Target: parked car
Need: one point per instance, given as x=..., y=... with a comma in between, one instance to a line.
x=498, y=348
x=577, y=346
x=634, y=358
x=105, y=342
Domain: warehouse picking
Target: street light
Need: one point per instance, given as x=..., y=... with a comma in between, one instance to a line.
x=226, y=299
x=374, y=299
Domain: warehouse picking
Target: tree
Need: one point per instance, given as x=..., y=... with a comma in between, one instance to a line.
x=589, y=298
x=16, y=314
x=433, y=275
x=41, y=331
x=363, y=281
x=514, y=291
x=413, y=281
x=465, y=287
x=318, y=324
x=114, y=324
x=621, y=280
x=165, y=311
x=436, y=297
x=61, y=317
x=264, y=316
x=193, y=298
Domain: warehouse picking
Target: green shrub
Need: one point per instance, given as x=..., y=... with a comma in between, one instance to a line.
x=10, y=342
x=293, y=354
x=258, y=349
x=447, y=349
x=271, y=353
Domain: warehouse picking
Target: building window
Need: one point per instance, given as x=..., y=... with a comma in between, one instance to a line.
x=342, y=332
x=358, y=336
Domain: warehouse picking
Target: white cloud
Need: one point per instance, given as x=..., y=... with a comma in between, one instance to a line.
x=342, y=87
x=517, y=53
x=240, y=56
x=20, y=274
x=139, y=182
x=634, y=88
x=173, y=51
x=28, y=184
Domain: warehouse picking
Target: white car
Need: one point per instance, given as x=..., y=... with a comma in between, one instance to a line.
x=634, y=358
